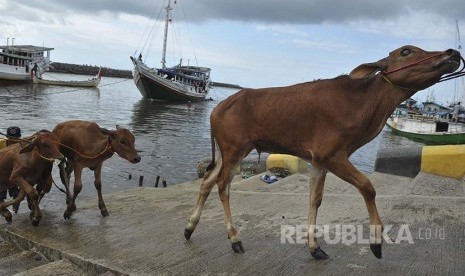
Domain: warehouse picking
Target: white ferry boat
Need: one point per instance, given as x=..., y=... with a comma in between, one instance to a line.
x=21, y=62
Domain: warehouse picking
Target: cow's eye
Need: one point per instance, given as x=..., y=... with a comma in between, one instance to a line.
x=405, y=52
x=122, y=142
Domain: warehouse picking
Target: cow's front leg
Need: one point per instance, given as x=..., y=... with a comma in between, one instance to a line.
x=98, y=187
x=341, y=167
x=33, y=195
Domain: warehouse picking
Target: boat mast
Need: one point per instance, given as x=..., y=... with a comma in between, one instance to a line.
x=165, y=37
x=458, y=46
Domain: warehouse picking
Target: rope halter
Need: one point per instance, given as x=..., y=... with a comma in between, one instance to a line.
x=456, y=74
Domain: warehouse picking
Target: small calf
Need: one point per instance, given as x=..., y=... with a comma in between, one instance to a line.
x=323, y=122
x=26, y=164
x=86, y=145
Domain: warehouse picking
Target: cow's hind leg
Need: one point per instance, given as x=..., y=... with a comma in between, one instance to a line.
x=210, y=179
x=65, y=176
x=317, y=182
x=71, y=207
x=342, y=167
x=231, y=161
x=224, y=183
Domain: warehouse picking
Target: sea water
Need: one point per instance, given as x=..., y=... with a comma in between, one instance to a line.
x=171, y=138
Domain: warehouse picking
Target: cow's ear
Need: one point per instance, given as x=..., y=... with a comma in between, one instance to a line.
x=367, y=70
x=110, y=133
x=105, y=131
x=29, y=146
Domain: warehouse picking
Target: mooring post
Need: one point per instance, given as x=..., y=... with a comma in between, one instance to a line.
x=156, y=181
x=141, y=181
x=164, y=183
x=130, y=176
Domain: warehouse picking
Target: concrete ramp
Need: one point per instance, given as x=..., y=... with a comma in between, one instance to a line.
x=144, y=233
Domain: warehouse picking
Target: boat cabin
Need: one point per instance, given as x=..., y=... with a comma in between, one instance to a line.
x=197, y=77
x=24, y=55
x=432, y=106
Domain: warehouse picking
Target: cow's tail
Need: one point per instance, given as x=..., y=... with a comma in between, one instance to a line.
x=214, y=147
x=215, y=163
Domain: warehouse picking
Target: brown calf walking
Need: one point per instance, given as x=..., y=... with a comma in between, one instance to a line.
x=324, y=122
x=87, y=145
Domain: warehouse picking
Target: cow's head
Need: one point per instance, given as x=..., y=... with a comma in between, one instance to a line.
x=47, y=145
x=122, y=142
x=411, y=68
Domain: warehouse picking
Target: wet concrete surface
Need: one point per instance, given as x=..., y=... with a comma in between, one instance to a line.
x=144, y=233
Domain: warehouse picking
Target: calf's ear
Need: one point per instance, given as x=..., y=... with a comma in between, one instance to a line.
x=367, y=70
x=110, y=133
x=29, y=146
x=105, y=131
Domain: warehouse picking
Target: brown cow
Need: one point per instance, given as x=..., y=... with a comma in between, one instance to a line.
x=323, y=122
x=86, y=145
x=25, y=164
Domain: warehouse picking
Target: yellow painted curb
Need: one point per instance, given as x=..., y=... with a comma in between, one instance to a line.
x=2, y=143
x=292, y=163
x=444, y=160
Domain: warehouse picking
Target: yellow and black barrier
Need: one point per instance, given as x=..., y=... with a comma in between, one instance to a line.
x=446, y=160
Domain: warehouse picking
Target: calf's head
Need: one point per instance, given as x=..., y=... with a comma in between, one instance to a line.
x=47, y=145
x=122, y=142
x=411, y=68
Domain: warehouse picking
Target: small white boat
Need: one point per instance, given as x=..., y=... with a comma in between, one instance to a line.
x=427, y=129
x=93, y=82
x=21, y=62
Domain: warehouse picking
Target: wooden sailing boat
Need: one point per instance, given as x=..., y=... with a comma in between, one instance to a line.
x=179, y=83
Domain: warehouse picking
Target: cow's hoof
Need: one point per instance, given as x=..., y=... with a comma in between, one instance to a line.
x=104, y=212
x=16, y=208
x=319, y=254
x=188, y=233
x=67, y=215
x=376, y=249
x=35, y=222
x=237, y=247
x=9, y=219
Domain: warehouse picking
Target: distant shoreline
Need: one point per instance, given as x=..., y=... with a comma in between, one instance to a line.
x=58, y=67
x=68, y=68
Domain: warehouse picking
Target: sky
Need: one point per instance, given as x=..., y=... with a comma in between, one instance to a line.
x=253, y=43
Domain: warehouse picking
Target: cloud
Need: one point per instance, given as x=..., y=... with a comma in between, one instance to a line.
x=266, y=11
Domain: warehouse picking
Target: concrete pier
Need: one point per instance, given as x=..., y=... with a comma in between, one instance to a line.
x=144, y=233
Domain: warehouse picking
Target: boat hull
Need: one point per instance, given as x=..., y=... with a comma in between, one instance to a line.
x=94, y=82
x=430, y=138
x=14, y=73
x=153, y=86
x=19, y=62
